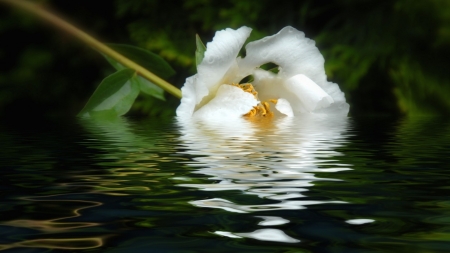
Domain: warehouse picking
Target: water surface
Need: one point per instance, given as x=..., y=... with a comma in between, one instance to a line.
x=308, y=184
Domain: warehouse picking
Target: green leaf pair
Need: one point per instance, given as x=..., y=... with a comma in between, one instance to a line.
x=116, y=93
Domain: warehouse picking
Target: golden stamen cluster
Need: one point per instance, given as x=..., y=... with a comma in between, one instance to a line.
x=263, y=108
x=247, y=87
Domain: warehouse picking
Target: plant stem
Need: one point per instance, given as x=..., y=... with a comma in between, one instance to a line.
x=86, y=38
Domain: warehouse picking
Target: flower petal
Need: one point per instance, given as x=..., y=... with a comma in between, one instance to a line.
x=271, y=86
x=219, y=57
x=268, y=85
x=302, y=94
x=289, y=48
x=309, y=94
x=229, y=102
x=295, y=55
x=284, y=107
x=187, y=105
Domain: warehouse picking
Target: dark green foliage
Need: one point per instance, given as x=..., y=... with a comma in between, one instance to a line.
x=145, y=58
x=394, y=48
x=389, y=57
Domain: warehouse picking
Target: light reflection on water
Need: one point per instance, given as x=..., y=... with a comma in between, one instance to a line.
x=313, y=184
x=274, y=160
x=54, y=226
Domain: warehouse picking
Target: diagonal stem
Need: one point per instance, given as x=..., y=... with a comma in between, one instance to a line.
x=86, y=38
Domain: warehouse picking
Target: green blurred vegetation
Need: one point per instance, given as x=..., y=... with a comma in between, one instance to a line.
x=389, y=57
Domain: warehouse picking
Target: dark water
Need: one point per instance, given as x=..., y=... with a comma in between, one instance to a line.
x=306, y=185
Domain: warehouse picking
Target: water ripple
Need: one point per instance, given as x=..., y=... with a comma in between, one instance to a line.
x=276, y=161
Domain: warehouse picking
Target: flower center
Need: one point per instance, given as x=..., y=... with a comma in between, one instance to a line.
x=247, y=87
x=263, y=108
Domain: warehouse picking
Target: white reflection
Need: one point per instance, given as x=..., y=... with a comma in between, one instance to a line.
x=272, y=221
x=267, y=234
x=275, y=160
x=232, y=207
x=359, y=221
x=227, y=234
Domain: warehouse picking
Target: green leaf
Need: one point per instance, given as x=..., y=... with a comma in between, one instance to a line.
x=144, y=85
x=114, y=96
x=200, y=52
x=148, y=87
x=148, y=60
x=145, y=58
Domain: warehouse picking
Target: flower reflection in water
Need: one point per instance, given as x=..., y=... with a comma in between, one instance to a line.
x=274, y=160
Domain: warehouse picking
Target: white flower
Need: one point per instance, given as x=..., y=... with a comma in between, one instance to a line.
x=299, y=87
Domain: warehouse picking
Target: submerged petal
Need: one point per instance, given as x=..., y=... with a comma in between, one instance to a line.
x=229, y=102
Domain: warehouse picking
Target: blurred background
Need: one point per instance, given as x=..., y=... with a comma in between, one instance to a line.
x=389, y=57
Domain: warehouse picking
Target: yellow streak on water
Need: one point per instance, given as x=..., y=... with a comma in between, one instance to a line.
x=54, y=226
x=64, y=243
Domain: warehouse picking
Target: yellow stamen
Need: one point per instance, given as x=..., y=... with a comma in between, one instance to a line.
x=263, y=108
x=266, y=106
x=251, y=113
x=247, y=87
